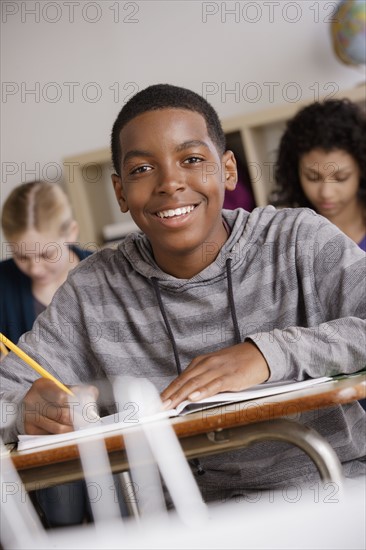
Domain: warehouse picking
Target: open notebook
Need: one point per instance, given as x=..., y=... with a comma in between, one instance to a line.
x=129, y=417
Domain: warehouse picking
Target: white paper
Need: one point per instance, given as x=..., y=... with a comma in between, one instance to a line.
x=124, y=419
x=255, y=392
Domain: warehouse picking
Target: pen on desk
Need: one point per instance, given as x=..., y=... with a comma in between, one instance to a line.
x=36, y=366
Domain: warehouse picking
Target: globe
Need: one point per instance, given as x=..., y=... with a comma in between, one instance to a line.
x=348, y=30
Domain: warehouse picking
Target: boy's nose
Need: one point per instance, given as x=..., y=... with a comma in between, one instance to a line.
x=170, y=181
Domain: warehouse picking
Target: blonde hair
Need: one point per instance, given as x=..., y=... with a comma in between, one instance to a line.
x=37, y=205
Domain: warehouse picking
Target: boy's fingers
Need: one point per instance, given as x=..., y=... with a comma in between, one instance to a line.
x=47, y=408
x=44, y=426
x=175, y=386
x=191, y=373
x=39, y=412
x=197, y=388
x=48, y=391
x=53, y=411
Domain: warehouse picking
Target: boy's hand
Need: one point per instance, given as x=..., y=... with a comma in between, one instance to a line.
x=46, y=407
x=230, y=369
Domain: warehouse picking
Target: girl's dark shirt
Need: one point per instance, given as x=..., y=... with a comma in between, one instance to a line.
x=17, y=305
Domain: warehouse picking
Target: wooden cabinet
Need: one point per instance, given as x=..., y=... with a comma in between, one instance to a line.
x=254, y=139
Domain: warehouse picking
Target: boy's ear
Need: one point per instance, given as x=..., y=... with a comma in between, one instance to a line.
x=230, y=170
x=118, y=190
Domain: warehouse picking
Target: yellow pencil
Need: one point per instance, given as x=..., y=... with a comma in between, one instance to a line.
x=32, y=363
x=3, y=349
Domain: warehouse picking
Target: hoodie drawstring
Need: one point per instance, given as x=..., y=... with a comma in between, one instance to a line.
x=154, y=281
x=231, y=301
x=167, y=324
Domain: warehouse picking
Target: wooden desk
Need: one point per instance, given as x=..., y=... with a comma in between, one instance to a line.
x=213, y=431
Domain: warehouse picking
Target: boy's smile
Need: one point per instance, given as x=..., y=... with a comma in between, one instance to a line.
x=173, y=181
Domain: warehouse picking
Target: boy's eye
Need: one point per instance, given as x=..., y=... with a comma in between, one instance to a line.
x=140, y=169
x=193, y=160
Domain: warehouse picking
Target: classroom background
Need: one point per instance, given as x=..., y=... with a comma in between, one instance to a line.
x=68, y=67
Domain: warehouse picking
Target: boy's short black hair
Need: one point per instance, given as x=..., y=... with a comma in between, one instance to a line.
x=166, y=96
x=328, y=125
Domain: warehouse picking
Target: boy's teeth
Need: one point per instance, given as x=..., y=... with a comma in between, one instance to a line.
x=176, y=212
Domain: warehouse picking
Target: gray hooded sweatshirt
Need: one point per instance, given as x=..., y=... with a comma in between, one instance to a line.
x=288, y=280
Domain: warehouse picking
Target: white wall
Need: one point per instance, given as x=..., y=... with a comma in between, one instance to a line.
x=130, y=45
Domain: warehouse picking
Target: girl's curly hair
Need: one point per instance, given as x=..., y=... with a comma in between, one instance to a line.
x=329, y=125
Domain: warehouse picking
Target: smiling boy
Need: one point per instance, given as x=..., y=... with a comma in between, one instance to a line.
x=159, y=177
x=204, y=300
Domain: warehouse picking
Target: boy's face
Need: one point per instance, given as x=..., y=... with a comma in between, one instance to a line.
x=173, y=181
